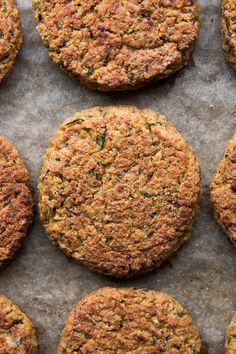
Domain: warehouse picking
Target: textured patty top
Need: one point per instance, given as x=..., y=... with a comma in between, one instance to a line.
x=228, y=30
x=114, y=44
x=10, y=36
x=17, y=335
x=118, y=189
x=132, y=321
x=16, y=202
x=223, y=191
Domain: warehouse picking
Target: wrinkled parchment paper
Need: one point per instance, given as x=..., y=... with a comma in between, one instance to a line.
x=200, y=101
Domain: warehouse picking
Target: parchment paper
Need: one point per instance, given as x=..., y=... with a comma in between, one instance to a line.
x=200, y=101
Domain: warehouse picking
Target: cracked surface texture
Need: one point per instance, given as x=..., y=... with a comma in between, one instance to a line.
x=118, y=189
x=17, y=335
x=228, y=30
x=131, y=321
x=10, y=36
x=223, y=191
x=117, y=45
x=16, y=204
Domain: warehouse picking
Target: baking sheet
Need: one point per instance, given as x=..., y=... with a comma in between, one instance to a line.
x=200, y=101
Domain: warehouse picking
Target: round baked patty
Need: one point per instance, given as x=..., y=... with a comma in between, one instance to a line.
x=223, y=191
x=228, y=30
x=118, y=189
x=10, y=36
x=17, y=335
x=16, y=204
x=134, y=321
x=118, y=45
x=230, y=344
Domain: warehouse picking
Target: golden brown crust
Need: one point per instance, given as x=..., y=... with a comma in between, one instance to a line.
x=118, y=45
x=10, y=36
x=12, y=168
x=223, y=191
x=228, y=30
x=16, y=204
x=118, y=189
x=129, y=321
x=230, y=344
x=17, y=335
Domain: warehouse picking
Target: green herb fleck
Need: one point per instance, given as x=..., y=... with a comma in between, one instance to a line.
x=147, y=195
x=180, y=314
x=49, y=213
x=101, y=138
x=155, y=143
x=74, y=122
x=73, y=212
x=59, y=25
x=146, y=14
x=87, y=129
x=88, y=70
x=94, y=174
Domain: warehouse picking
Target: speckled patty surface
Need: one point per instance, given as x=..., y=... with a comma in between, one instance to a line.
x=230, y=344
x=16, y=204
x=228, y=30
x=118, y=189
x=117, y=45
x=17, y=335
x=10, y=36
x=134, y=321
x=223, y=191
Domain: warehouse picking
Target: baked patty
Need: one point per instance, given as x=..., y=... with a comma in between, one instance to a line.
x=118, y=189
x=228, y=30
x=223, y=191
x=10, y=36
x=118, y=45
x=134, y=321
x=17, y=335
x=16, y=204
